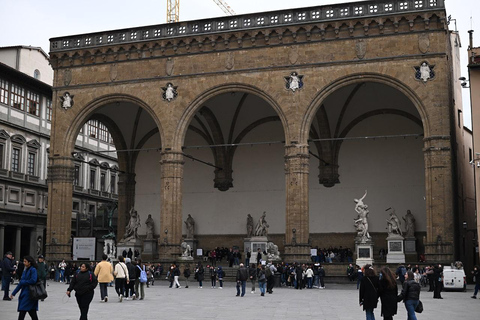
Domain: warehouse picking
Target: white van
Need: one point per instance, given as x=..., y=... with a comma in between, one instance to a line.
x=454, y=279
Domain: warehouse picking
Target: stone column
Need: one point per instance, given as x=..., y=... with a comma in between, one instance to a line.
x=18, y=243
x=297, y=231
x=126, y=200
x=59, y=217
x=2, y=240
x=439, y=244
x=171, y=213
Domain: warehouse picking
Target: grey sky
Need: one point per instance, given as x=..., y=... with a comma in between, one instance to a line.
x=34, y=22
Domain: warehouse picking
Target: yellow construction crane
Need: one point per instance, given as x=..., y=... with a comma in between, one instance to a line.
x=173, y=9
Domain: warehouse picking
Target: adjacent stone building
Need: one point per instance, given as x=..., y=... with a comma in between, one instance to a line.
x=294, y=112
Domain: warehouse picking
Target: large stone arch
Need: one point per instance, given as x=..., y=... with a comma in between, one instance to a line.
x=196, y=104
x=357, y=78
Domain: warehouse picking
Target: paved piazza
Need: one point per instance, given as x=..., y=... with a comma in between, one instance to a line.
x=337, y=301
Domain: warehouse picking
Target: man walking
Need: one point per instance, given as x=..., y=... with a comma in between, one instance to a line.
x=270, y=274
x=42, y=271
x=8, y=271
x=242, y=276
x=104, y=274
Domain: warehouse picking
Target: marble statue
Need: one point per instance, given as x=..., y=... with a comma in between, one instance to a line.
x=294, y=82
x=132, y=226
x=272, y=251
x=149, y=223
x=190, y=224
x=169, y=93
x=249, y=226
x=424, y=72
x=67, y=100
x=393, y=224
x=361, y=222
x=409, y=224
x=186, y=250
x=261, y=229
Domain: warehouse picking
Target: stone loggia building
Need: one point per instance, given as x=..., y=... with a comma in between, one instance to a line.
x=293, y=112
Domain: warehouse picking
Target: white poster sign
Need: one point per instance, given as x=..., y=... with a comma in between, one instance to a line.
x=84, y=248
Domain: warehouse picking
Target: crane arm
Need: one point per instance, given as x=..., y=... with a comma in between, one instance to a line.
x=225, y=7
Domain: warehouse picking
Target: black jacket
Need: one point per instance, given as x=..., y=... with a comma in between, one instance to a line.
x=388, y=296
x=83, y=282
x=410, y=291
x=7, y=267
x=369, y=292
x=252, y=272
x=132, y=272
x=242, y=274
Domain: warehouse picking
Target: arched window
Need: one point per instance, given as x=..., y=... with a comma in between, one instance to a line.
x=36, y=74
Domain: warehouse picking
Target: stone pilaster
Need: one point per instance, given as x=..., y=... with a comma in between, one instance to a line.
x=297, y=231
x=59, y=218
x=171, y=215
x=126, y=200
x=439, y=244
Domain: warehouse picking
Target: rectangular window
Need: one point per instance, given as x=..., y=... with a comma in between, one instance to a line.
x=102, y=181
x=113, y=183
x=102, y=132
x=31, y=163
x=49, y=110
x=76, y=175
x=15, y=160
x=33, y=103
x=93, y=176
x=17, y=99
x=92, y=128
x=3, y=91
x=1, y=155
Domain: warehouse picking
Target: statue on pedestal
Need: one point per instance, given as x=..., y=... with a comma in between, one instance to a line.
x=190, y=224
x=132, y=226
x=393, y=224
x=409, y=225
x=261, y=229
x=361, y=222
x=186, y=250
x=149, y=223
x=249, y=226
x=272, y=252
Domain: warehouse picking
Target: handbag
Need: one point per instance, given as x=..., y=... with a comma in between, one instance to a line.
x=419, y=308
x=37, y=291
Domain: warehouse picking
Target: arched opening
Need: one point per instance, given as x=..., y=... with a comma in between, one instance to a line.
x=365, y=135
x=234, y=166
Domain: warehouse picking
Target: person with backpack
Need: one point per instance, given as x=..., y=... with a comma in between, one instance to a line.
x=262, y=279
x=130, y=287
x=221, y=275
x=140, y=279
x=401, y=271
x=186, y=274
x=270, y=273
x=83, y=282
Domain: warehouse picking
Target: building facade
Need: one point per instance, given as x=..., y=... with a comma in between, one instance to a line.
x=25, y=125
x=294, y=112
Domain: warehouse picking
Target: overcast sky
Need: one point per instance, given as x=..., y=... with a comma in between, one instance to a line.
x=34, y=22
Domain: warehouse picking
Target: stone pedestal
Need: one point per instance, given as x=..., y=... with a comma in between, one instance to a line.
x=363, y=252
x=411, y=249
x=132, y=244
x=150, y=249
x=396, y=251
x=253, y=244
x=110, y=249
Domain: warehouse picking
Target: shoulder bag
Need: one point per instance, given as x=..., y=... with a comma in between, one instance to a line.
x=37, y=291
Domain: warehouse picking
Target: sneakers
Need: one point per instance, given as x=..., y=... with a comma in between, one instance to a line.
x=7, y=299
x=252, y=292
x=105, y=299
x=473, y=297
x=263, y=294
x=220, y=288
x=134, y=297
x=120, y=298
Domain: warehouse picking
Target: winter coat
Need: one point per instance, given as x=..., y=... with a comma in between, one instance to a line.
x=252, y=273
x=83, y=282
x=410, y=291
x=242, y=274
x=104, y=272
x=42, y=270
x=131, y=271
x=7, y=267
x=388, y=297
x=121, y=271
x=200, y=273
x=29, y=276
x=368, y=292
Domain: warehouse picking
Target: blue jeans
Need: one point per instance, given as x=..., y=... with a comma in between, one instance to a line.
x=410, y=305
x=62, y=275
x=243, y=284
x=262, y=285
x=315, y=280
x=6, y=285
x=370, y=315
x=310, y=282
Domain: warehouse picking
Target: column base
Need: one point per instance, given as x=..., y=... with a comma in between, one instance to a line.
x=439, y=252
x=297, y=253
x=58, y=252
x=169, y=252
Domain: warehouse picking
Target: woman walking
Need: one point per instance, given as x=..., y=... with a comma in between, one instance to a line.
x=262, y=279
x=83, y=282
x=25, y=303
x=410, y=295
x=368, y=296
x=252, y=275
x=388, y=291
x=121, y=277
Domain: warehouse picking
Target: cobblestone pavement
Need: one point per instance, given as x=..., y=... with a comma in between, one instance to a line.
x=337, y=301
